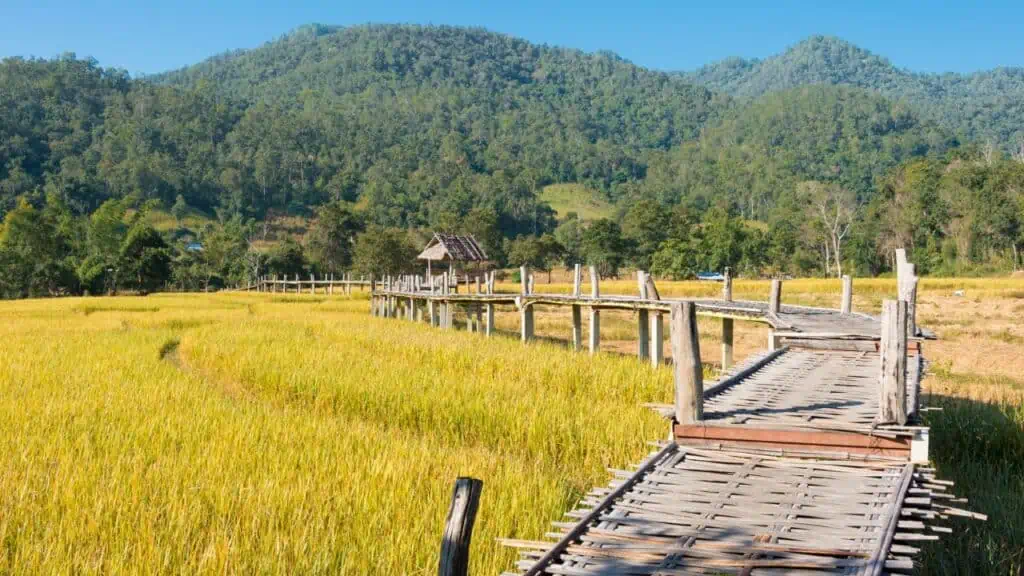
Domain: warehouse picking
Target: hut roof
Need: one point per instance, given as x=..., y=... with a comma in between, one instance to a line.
x=453, y=247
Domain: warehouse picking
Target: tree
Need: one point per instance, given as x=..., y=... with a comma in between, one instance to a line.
x=145, y=261
x=537, y=253
x=646, y=225
x=570, y=235
x=835, y=208
x=287, y=258
x=384, y=251
x=604, y=247
x=331, y=238
x=180, y=209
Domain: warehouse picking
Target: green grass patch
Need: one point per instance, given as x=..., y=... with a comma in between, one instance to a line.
x=585, y=202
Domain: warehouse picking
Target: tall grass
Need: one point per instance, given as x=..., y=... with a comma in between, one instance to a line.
x=288, y=437
x=196, y=434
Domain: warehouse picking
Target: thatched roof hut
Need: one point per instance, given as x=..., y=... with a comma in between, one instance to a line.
x=453, y=248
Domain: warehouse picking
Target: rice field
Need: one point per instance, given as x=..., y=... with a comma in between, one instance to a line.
x=295, y=434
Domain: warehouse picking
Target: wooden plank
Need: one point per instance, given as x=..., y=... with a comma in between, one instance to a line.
x=688, y=370
x=785, y=437
x=458, y=527
x=893, y=377
x=574, y=533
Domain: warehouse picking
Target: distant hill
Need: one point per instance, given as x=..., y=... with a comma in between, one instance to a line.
x=984, y=106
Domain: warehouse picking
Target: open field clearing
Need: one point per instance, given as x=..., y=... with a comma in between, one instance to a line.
x=257, y=433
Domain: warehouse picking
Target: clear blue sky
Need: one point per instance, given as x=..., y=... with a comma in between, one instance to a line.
x=144, y=36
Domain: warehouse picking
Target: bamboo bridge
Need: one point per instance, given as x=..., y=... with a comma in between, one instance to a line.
x=808, y=458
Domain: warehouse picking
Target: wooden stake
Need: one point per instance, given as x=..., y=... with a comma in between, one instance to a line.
x=489, y=319
x=689, y=376
x=775, y=296
x=526, y=322
x=847, y=304
x=458, y=527
x=727, y=323
x=577, y=280
x=657, y=339
x=893, y=377
x=577, y=327
x=643, y=323
x=524, y=280
x=595, y=314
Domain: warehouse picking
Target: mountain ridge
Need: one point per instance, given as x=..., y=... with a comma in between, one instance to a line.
x=983, y=105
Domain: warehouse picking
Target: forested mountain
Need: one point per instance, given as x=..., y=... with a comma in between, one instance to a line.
x=986, y=106
x=379, y=132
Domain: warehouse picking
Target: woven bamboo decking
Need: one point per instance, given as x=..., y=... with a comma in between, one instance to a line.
x=704, y=511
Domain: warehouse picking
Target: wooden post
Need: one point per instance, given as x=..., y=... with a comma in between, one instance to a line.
x=529, y=286
x=657, y=339
x=892, y=407
x=526, y=321
x=412, y=310
x=688, y=371
x=643, y=323
x=478, y=285
x=312, y=283
x=775, y=296
x=595, y=314
x=577, y=327
x=488, y=319
x=478, y=309
x=727, y=324
x=577, y=280
x=458, y=527
x=774, y=306
x=846, y=306
x=431, y=312
x=907, y=291
x=525, y=311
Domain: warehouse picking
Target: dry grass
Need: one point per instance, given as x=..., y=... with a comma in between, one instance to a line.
x=295, y=434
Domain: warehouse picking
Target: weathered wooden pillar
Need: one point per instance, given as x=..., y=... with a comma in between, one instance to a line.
x=892, y=383
x=907, y=291
x=643, y=323
x=595, y=314
x=412, y=310
x=525, y=309
x=577, y=328
x=846, y=306
x=431, y=312
x=774, y=306
x=727, y=323
x=775, y=296
x=488, y=319
x=526, y=321
x=577, y=280
x=458, y=528
x=688, y=371
x=478, y=312
x=478, y=285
